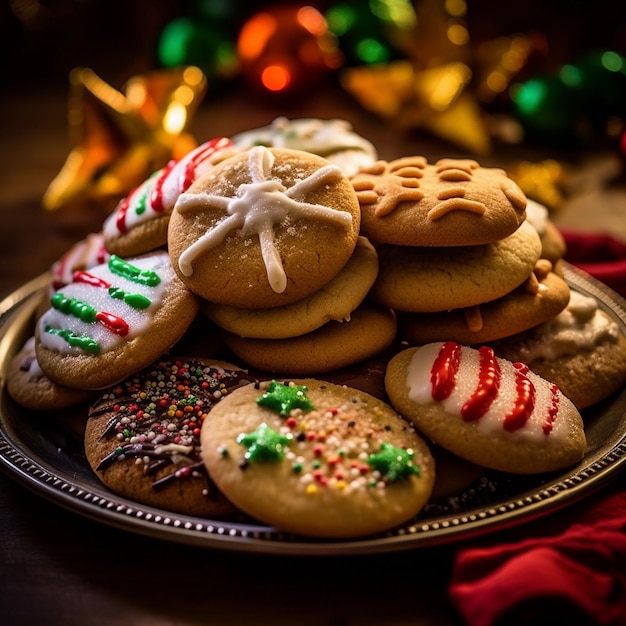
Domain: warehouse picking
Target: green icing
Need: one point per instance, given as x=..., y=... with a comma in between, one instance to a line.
x=76, y=341
x=284, y=398
x=72, y=306
x=394, y=463
x=264, y=445
x=135, y=300
x=131, y=272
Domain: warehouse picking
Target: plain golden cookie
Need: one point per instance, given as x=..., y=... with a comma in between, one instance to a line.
x=334, y=301
x=335, y=345
x=142, y=437
x=113, y=320
x=535, y=302
x=317, y=459
x=454, y=202
x=264, y=228
x=431, y=279
x=486, y=409
x=582, y=350
x=32, y=389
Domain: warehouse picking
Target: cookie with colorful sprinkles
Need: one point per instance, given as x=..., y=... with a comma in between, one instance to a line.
x=485, y=409
x=142, y=437
x=317, y=459
x=113, y=320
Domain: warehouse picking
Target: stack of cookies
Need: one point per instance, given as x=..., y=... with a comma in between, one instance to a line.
x=227, y=323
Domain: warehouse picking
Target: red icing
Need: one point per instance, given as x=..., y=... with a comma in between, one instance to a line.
x=552, y=411
x=114, y=323
x=188, y=176
x=156, y=195
x=89, y=279
x=488, y=386
x=444, y=370
x=120, y=220
x=525, y=401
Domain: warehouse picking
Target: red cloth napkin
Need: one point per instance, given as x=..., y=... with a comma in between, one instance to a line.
x=578, y=573
x=602, y=256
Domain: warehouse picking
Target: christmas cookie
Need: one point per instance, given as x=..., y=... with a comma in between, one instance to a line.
x=538, y=300
x=335, y=345
x=432, y=279
x=83, y=255
x=113, y=320
x=333, y=139
x=334, y=301
x=142, y=437
x=485, y=409
x=582, y=350
x=317, y=459
x=139, y=222
x=264, y=228
x=454, y=202
x=32, y=389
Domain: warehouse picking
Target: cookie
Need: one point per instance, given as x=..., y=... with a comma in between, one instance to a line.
x=113, y=320
x=553, y=245
x=83, y=255
x=537, y=301
x=139, y=222
x=317, y=459
x=142, y=437
x=335, y=345
x=264, y=228
x=334, y=301
x=333, y=139
x=432, y=279
x=32, y=389
x=485, y=409
x=453, y=202
x=582, y=350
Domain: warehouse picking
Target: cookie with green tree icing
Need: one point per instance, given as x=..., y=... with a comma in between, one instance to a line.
x=317, y=459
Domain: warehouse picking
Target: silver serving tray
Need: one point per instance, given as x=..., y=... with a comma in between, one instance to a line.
x=44, y=455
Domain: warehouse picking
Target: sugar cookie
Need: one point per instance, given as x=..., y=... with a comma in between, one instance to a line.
x=485, y=409
x=454, y=202
x=317, y=459
x=113, y=320
x=334, y=301
x=264, y=228
x=142, y=437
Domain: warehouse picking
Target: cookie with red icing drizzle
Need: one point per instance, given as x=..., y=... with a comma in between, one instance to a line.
x=485, y=409
x=140, y=221
x=453, y=202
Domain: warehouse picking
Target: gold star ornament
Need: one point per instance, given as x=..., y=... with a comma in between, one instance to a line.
x=121, y=137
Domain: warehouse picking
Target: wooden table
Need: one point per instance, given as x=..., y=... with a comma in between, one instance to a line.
x=57, y=567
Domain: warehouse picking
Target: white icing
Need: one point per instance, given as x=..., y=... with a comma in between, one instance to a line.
x=257, y=208
x=332, y=139
x=30, y=362
x=138, y=320
x=420, y=391
x=579, y=326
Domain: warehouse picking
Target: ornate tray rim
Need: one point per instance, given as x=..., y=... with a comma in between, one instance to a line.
x=89, y=498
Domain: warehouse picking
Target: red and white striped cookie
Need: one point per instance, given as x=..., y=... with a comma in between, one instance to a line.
x=485, y=409
x=139, y=223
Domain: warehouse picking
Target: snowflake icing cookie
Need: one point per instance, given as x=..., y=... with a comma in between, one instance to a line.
x=264, y=228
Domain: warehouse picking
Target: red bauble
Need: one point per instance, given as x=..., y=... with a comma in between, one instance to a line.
x=283, y=49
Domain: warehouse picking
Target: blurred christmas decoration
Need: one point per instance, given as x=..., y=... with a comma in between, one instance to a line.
x=285, y=48
x=544, y=181
x=120, y=137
